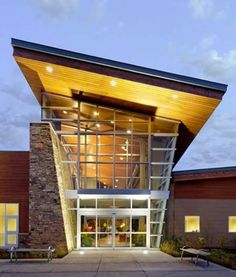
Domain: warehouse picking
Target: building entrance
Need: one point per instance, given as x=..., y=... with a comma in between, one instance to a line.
x=113, y=229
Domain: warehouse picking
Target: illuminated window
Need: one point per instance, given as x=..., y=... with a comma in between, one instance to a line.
x=232, y=224
x=192, y=224
x=9, y=214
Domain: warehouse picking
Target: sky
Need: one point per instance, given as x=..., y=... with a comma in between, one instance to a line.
x=190, y=37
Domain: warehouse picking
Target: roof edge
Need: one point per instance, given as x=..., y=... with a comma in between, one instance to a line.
x=204, y=170
x=119, y=65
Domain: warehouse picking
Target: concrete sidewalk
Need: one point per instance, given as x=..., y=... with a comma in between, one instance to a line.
x=117, y=263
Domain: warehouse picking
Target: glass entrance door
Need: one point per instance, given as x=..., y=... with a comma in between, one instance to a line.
x=105, y=231
x=113, y=230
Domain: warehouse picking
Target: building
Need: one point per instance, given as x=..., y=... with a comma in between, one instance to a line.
x=101, y=159
x=202, y=204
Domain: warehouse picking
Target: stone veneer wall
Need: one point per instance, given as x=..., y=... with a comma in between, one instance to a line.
x=49, y=219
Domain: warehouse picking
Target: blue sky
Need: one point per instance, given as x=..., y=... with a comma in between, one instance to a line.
x=190, y=37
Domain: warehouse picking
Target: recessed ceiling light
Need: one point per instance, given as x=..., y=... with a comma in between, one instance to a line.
x=98, y=125
x=175, y=96
x=49, y=68
x=96, y=113
x=65, y=112
x=113, y=83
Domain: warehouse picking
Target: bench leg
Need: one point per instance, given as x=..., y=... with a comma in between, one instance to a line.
x=182, y=255
x=196, y=261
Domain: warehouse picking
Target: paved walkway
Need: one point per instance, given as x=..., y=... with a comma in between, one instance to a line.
x=110, y=263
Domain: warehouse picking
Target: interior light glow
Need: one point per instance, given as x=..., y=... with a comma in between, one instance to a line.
x=116, y=186
x=117, y=180
x=130, y=120
x=128, y=131
x=112, y=122
x=65, y=112
x=175, y=96
x=145, y=252
x=81, y=252
x=96, y=113
x=121, y=158
x=49, y=68
x=113, y=83
x=98, y=125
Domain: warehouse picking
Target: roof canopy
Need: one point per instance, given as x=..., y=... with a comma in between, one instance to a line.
x=71, y=74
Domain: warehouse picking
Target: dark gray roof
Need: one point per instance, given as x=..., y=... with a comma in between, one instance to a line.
x=120, y=65
x=205, y=170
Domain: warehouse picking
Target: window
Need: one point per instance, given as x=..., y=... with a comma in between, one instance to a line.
x=9, y=214
x=192, y=224
x=232, y=224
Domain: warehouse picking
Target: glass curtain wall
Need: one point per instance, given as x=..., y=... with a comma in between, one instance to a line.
x=109, y=149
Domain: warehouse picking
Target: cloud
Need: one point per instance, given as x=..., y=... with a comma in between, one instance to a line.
x=14, y=128
x=201, y=8
x=97, y=10
x=208, y=41
x=15, y=90
x=216, y=66
x=56, y=9
x=215, y=146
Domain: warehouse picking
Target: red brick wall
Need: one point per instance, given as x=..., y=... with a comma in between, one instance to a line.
x=14, y=183
x=216, y=188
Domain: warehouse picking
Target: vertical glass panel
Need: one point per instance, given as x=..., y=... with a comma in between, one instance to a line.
x=157, y=203
x=11, y=225
x=138, y=240
x=155, y=215
x=122, y=224
x=2, y=224
x=155, y=229
x=2, y=209
x=138, y=223
x=11, y=209
x=2, y=240
x=88, y=224
x=154, y=241
x=104, y=224
x=105, y=240
x=88, y=240
x=140, y=203
x=122, y=240
x=11, y=239
x=105, y=203
x=87, y=203
x=192, y=224
x=140, y=127
x=122, y=203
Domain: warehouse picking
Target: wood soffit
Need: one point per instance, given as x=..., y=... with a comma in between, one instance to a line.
x=190, y=104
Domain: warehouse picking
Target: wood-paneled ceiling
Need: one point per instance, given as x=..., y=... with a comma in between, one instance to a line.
x=192, y=108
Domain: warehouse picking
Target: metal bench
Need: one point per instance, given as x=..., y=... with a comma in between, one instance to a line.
x=13, y=252
x=198, y=253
